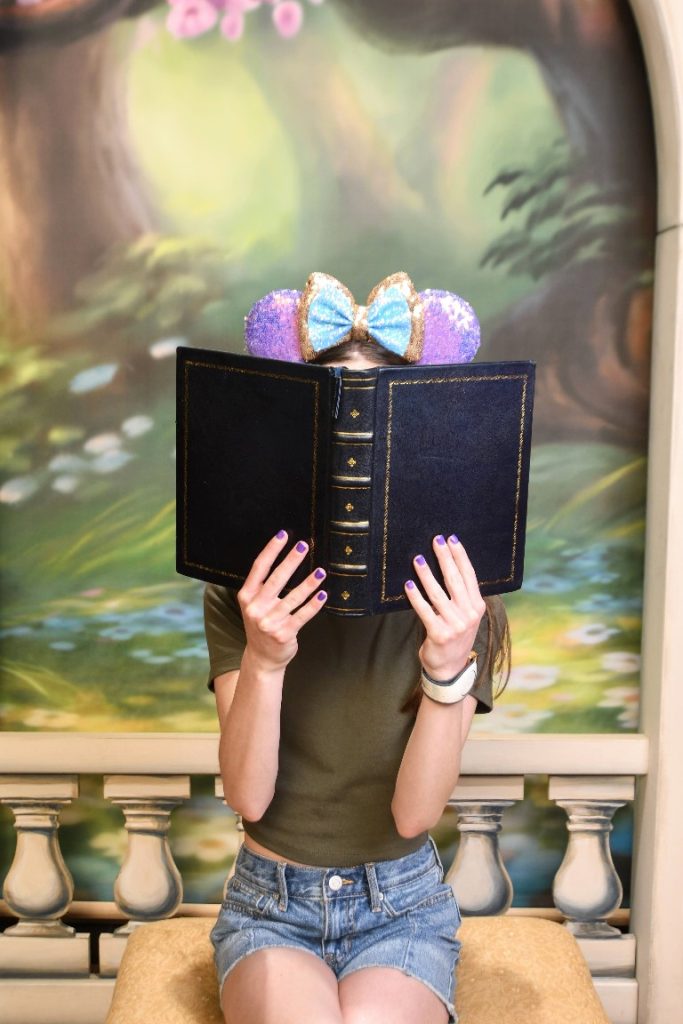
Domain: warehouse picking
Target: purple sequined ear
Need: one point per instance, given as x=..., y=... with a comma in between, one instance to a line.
x=452, y=330
x=270, y=329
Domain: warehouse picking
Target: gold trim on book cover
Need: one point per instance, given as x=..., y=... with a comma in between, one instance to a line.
x=349, y=435
x=522, y=423
x=314, y=472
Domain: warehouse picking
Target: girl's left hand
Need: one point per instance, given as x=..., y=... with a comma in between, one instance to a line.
x=452, y=619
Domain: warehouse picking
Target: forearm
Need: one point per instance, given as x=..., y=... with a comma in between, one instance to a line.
x=430, y=766
x=250, y=739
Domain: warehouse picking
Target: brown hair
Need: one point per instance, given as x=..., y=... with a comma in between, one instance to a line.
x=361, y=347
x=493, y=639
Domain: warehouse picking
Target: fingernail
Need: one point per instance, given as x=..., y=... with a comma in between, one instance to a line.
x=410, y=585
x=321, y=595
x=453, y=539
x=281, y=534
x=420, y=560
x=301, y=546
x=319, y=574
x=440, y=539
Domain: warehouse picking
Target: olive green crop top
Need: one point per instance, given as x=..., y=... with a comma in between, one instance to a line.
x=342, y=735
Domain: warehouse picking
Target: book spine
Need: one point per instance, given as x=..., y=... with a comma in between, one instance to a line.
x=348, y=581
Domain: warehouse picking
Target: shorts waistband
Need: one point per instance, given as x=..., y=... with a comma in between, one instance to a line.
x=370, y=877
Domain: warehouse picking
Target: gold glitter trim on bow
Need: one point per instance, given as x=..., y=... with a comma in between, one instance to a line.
x=359, y=327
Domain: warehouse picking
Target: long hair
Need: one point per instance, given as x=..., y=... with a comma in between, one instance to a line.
x=493, y=639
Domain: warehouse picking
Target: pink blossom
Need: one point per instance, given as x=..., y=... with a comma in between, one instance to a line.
x=232, y=25
x=188, y=18
x=288, y=17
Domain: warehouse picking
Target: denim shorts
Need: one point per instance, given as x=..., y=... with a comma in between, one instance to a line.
x=388, y=913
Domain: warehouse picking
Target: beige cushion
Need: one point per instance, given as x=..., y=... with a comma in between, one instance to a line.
x=512, y=970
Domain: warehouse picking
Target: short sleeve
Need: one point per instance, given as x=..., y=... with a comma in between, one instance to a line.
x=224, y=628
x=483, y=688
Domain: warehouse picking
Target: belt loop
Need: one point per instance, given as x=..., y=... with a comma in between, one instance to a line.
x=282, y=885
x=436, y=854
x=375, y=895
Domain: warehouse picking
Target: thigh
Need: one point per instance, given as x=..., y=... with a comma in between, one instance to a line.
x=375, y=995
x=281, y=986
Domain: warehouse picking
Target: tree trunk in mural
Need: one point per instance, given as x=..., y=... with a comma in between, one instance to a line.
x=69, y=184
x=593, y=359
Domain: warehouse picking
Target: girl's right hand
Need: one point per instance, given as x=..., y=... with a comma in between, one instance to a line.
x=271, y=622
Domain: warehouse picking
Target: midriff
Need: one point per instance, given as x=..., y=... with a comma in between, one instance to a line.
x=251, y=844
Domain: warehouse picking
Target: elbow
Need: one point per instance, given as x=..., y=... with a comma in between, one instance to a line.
x=409, y=827
x=248, y=810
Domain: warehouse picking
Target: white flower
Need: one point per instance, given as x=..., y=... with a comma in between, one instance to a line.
x=166, y=347
x=102, y=443
x=533, y=677
x=618, y=696
x=65, y=463
x=109, y=462
x=44, y=718
x=65, y=484
x=95, y=377
x=621, y=661
x=18, y=489
x=212, y=848
x=629, y=718
x=592, y=633
x=134, y=426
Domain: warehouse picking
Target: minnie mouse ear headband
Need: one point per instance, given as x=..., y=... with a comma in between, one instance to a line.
x=422, y=327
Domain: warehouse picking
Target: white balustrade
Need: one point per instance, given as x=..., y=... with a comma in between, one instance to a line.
x=41, y=949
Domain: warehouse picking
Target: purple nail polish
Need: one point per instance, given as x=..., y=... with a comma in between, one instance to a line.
x=420, y=560
x=301, y=547
x=281, y=534
x=319, y=574
x=453, y=539
x=321, y=595
x=410, y=585
x=440, y=539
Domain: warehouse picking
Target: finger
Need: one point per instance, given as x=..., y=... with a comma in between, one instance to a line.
x=263, y=563
x=279, y=577
x=301, y=593
x=467, y=570
x=434, y=591
x=422, y=608
x=451, y=573
x=308, y=610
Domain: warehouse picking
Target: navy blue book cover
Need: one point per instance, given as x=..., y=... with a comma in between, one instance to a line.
x=366, y=465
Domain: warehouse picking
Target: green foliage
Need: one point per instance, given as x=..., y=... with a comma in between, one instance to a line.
x=157, y=286
x=569, y=217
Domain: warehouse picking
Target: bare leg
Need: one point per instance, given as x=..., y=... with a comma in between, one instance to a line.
x=375, y=995
x=281, y=986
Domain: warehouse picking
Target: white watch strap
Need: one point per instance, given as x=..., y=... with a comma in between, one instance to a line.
x=450, y=693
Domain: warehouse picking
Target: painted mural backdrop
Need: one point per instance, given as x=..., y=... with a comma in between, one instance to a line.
x=163, y=166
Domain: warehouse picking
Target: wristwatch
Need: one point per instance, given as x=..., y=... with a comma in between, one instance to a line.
x=450, y=691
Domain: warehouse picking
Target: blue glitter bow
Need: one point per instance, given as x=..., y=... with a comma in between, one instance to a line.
x=329, y=315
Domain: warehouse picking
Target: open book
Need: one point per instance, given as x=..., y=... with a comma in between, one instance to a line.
x=366, y=465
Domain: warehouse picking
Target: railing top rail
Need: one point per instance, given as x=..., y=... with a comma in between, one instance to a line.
x=103, y=753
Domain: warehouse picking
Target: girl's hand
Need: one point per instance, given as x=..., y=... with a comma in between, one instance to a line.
x=452, y=619
x=270, y=622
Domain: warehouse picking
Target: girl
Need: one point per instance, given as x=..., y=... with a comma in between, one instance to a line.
x=339, y=764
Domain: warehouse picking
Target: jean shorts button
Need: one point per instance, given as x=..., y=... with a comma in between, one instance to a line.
x=335, y=882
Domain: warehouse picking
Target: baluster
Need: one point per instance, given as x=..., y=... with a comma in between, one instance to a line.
x=38, y=887
x=218, y=789
x=148, y=886
x=478, y=875
x=587, y=888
